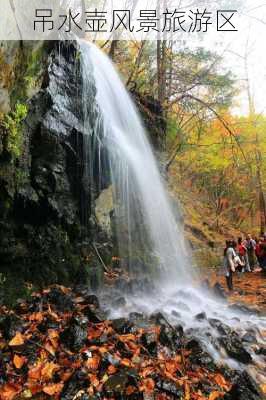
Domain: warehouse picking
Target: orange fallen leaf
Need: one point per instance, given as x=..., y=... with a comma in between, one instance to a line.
x=216, y=395
x=48, y=370
x=111, y=369
x=9, y=391
x=147, y=385
x=263, y=388
x=37, y=317
x=19, y=361
x=187, y=391
x=93, y=363
x=147, y=371
x=130, y=390
x=126, y=362
x=220, y=381
x=54, y=389
x=17, y=340
x=35, y=372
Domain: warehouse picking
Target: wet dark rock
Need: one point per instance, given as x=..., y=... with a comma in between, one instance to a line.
x=249, y=338
x=218, y=291
x=78, y=381
x=46, y=324
x=62, y=301
x=222, y=328
x=200, y=317
x=95, y=315
x=46, y=197
x=9, y=325
x=241, y=308
x=149, y=341
x=244, y=388
x=165, y=337
x=158, y=318
x=235, y=349
x=198, y=354
x=75, y=336
x=261, y=351
x=117, y=384
x=122, y=325
x=169, y=388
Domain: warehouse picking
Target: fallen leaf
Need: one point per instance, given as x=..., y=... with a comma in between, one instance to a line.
x=19, y=361
x=48, y=370
x=147, y=385
x=216, y=395
x=187, y=391
x=130, y=390
x=35, y=372
x=93, y=363
x=9, y=391
x=54, y=389
x=17, y=340
x=36, y=317
x=220, y=381
x=111, y=370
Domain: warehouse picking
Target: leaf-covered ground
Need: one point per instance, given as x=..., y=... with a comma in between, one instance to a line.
x=250, y=288
x=60, y=345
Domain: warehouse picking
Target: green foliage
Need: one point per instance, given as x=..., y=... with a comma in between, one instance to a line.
x=12, y=124
x=33, y=67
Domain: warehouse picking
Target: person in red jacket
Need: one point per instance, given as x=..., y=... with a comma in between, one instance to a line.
x=259, y=251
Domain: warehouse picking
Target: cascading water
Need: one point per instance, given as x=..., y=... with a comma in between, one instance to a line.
x=147, y=232
x=146, y=227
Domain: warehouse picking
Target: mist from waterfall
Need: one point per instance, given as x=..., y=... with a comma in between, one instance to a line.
x=149, y=236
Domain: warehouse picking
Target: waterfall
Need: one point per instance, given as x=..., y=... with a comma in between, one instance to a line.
x=149, y=236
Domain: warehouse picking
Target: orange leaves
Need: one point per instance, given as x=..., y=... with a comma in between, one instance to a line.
x=147, y=385
x=54, y=389
x=216, y=395
x=111, y=369
x=93, y=363
x=263, y=389
x=9, y=391
x=19, y=361
x=43, y=371
x=220, y=381
x=18, y=340
x=36, y=317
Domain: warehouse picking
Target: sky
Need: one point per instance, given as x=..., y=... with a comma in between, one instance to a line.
x=251, y=36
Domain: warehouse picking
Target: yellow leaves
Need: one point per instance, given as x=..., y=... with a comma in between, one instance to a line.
x=9, y=391
x=187, y=391
x=18, y=340
x=19, y=361
x=43, y=371
x=263, y=389
x=53, y=389
x=216, y=395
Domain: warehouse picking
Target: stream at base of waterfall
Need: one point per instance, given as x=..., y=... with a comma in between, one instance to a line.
x=147, y=229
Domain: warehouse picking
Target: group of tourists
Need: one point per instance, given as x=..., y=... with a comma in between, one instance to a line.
x=244, y=255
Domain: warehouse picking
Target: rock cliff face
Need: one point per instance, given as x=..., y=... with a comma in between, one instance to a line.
x=46, y=212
